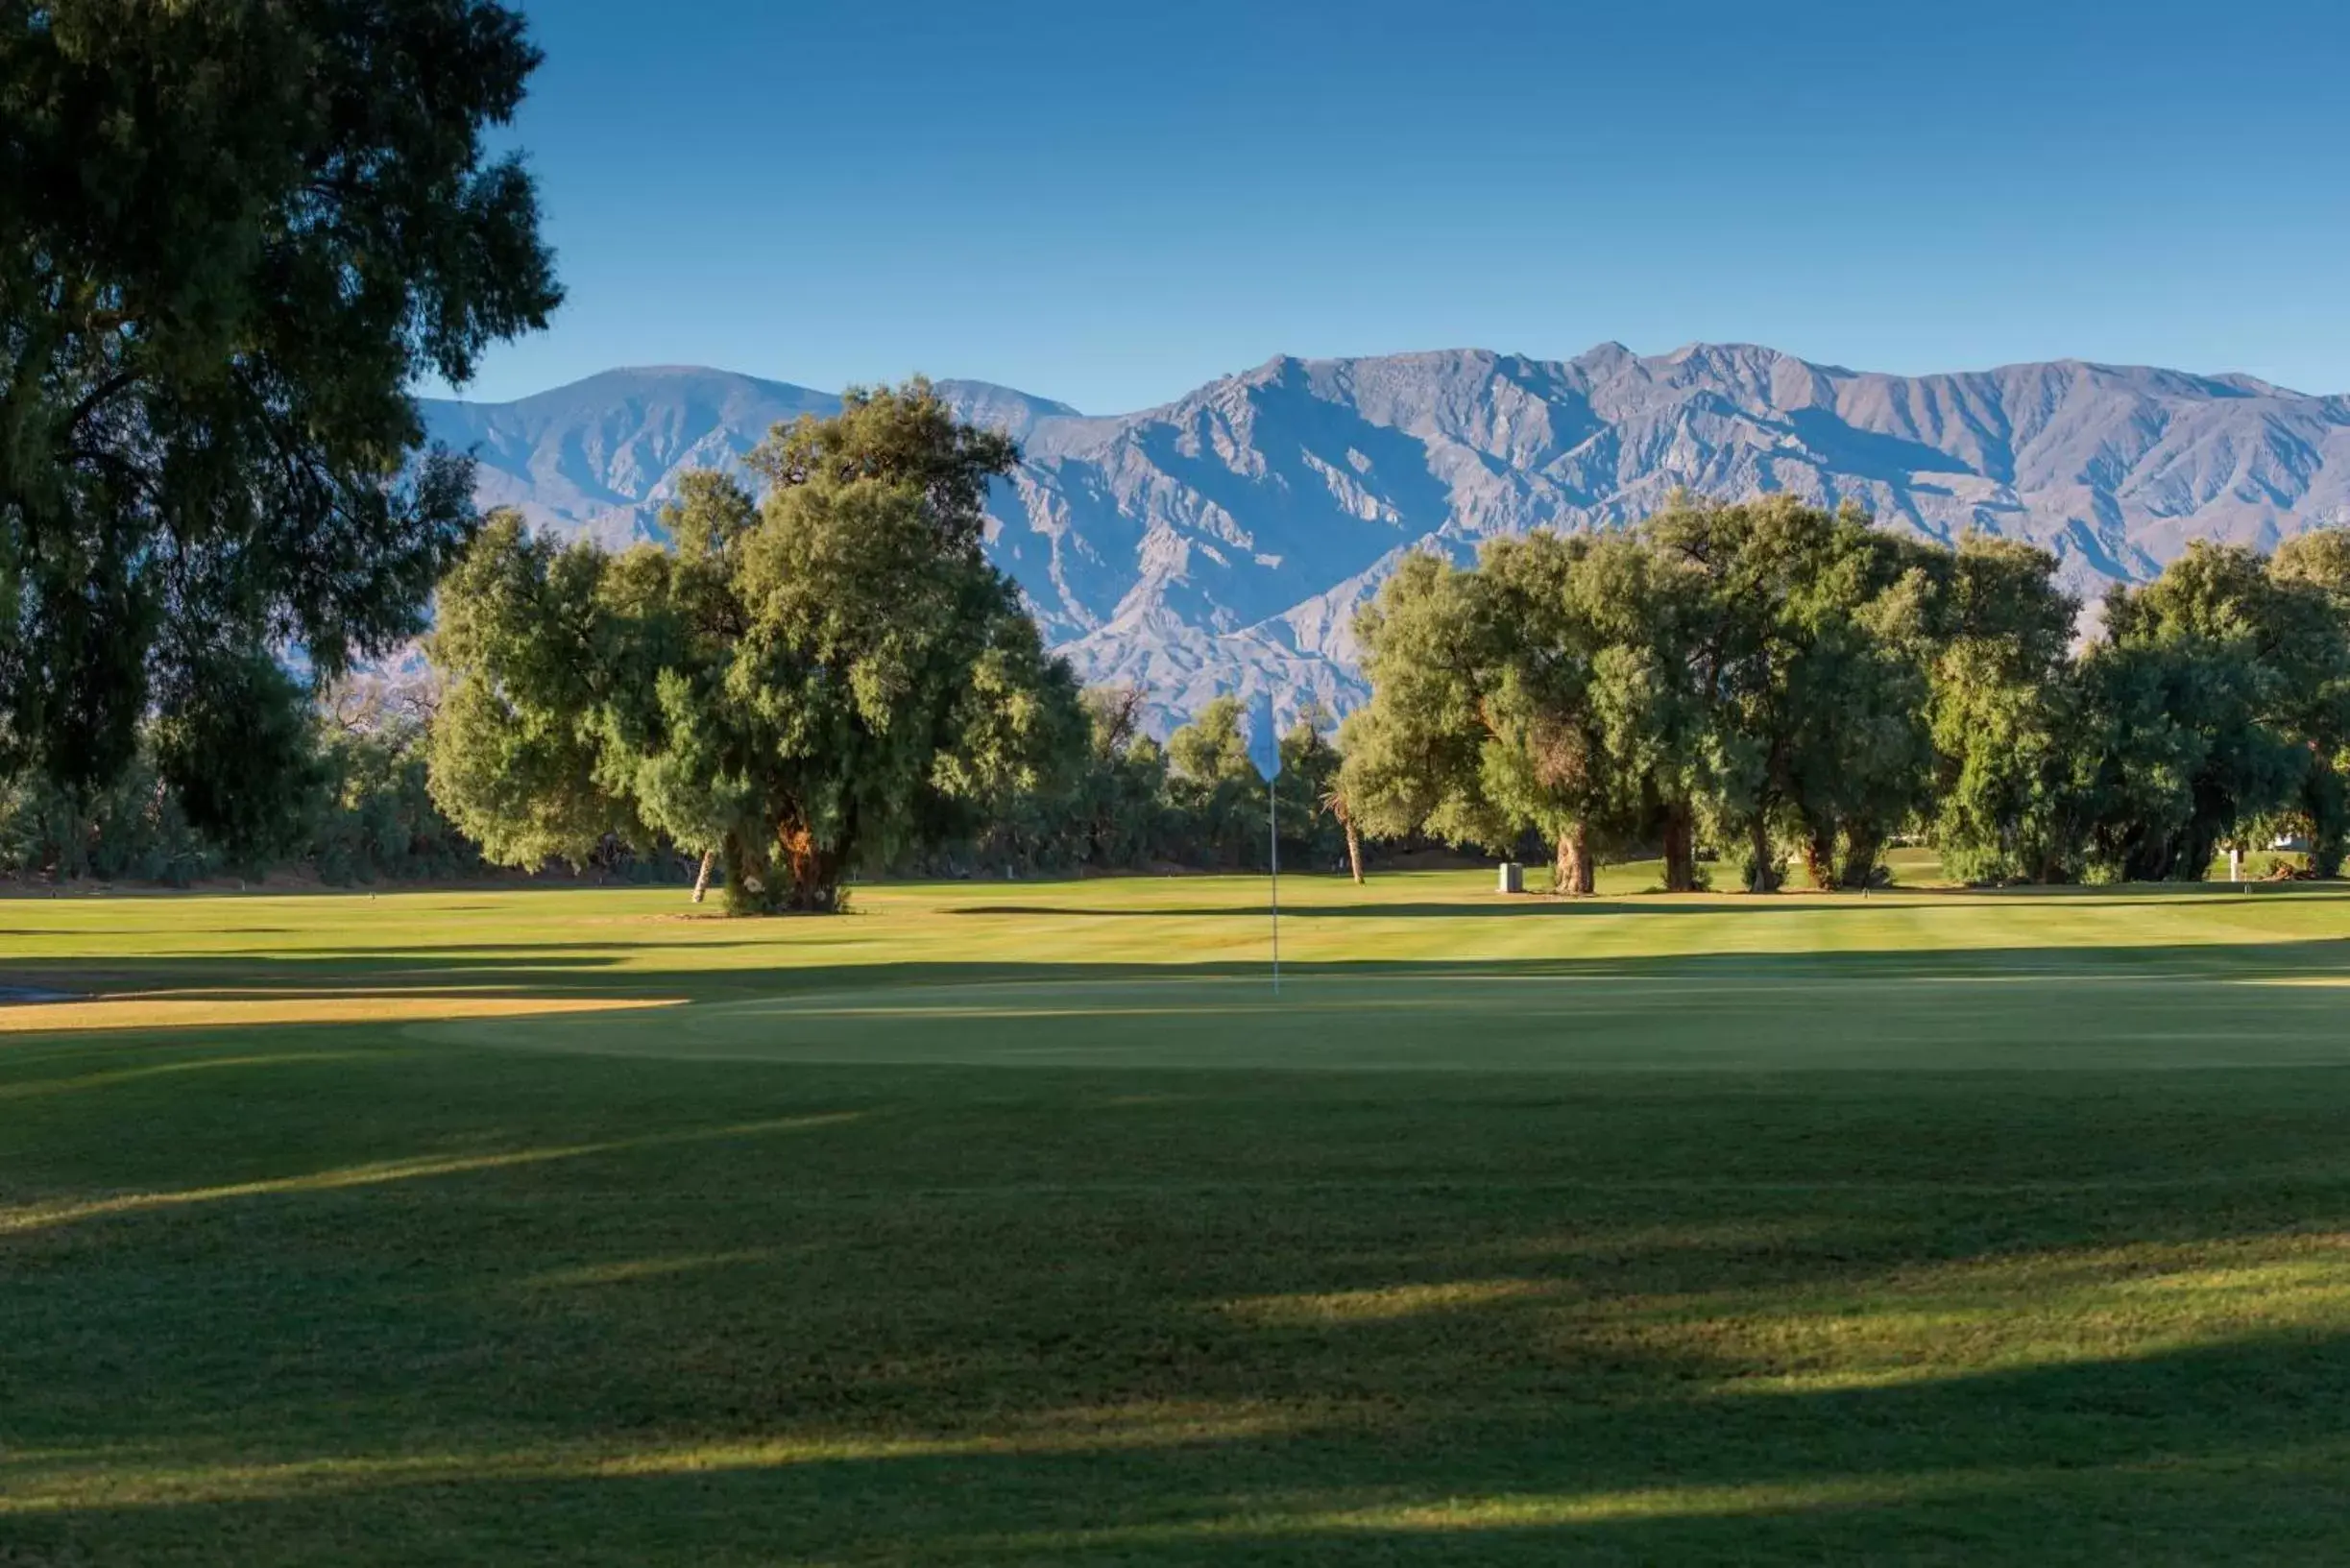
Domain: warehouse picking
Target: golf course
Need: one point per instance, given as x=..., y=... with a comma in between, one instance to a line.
x=1025, y=1221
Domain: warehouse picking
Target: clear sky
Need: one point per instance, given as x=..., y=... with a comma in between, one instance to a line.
x=1111, y=202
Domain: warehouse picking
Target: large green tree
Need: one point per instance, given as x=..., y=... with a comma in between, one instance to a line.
x=234, y=234
x=2311, y=575
x=1523, y=696
x=1549, y=760
x=1802, y=645
x=2005, y=711
x=2197, y=693
x=808, y=682
x=1414, y=753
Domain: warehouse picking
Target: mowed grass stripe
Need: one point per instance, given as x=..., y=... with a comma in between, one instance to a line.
x=792, y=1270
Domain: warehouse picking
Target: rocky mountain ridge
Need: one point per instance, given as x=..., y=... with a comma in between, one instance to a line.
x=1224, y=541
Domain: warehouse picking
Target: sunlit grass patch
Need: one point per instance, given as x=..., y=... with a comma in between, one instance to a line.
x=1388, y=1303
x=354, y=1004
x=1915, y=1324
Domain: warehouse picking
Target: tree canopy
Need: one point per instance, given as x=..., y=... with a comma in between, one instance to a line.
x=808, y=682
x=232, y=237
x=1795, y=682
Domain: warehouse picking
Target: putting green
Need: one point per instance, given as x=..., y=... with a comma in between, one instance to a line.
x=1748, y=1017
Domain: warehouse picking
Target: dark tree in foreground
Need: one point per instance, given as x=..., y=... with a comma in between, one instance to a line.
x=233, y=236
x=809, y=683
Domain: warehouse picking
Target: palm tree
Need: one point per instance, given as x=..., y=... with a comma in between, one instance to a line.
x=1334, y=802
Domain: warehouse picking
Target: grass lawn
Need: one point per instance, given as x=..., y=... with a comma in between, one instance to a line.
x=1022, y=1223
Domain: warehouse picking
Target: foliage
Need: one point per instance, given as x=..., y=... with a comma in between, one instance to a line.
x=1312, y=834
x=1803, y=635
x=2005, y=712
x=1216, y=788
x=1751, y=671
x=133, y=829
x=235, y=235
x=2192, y=693
x=825, y=678
x=2313, y=572
x=340, y=796
x=1414, y=753
x=1772, y=674
x=375, y=820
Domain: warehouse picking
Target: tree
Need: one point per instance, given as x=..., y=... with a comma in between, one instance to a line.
x=241, y=751
x=2189, y=697
x=1412, y=753
x=1333, y=800
x=232, y=237
x=1653, y=725
x=809, y=683
x=1311, y=831
x=1519, y=697
x=525, y=667
x=1546, y=760
x=1218, y=787
x=1119, y=807
x=1862, y=762
x=2005, y=712
x=1801, y=641
x=2311, y=575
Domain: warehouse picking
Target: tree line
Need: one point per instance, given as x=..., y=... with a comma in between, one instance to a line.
x=1776, y=683
x=828, y=678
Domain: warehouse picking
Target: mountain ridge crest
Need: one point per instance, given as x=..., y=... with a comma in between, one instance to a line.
x=1221, y=541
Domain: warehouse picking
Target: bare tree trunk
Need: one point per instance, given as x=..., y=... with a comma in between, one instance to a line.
x=1680, y=850
x=701, y=882
x=1354, y=851
x=1572, y=872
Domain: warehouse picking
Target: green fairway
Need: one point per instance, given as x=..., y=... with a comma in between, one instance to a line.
x=1023, y=1223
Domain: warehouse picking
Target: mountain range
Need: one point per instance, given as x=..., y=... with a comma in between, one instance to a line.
x=1222, y=541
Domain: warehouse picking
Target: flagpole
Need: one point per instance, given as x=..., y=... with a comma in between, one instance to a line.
x=1273, y=839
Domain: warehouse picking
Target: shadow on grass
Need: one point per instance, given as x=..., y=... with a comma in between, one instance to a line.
x=623, y=971
x=369, y=1305
x=1594, y=1451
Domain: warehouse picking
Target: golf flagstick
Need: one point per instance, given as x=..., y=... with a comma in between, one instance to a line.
x=1264, y=741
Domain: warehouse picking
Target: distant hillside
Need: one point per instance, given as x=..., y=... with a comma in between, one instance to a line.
x=1224, y=542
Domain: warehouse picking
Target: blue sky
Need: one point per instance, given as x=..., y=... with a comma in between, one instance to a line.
x=1109, y=203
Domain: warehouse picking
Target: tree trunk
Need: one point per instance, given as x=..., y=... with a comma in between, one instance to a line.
x=1571, y=871
x=2326, y=855
x=1863, y=848
x=1762, y=866
x=1680, y=850
x=814, y=872
x=750, y=881
x=1820, y=860
x=701, y=881
x=1354, y=851
x=2322, y=797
